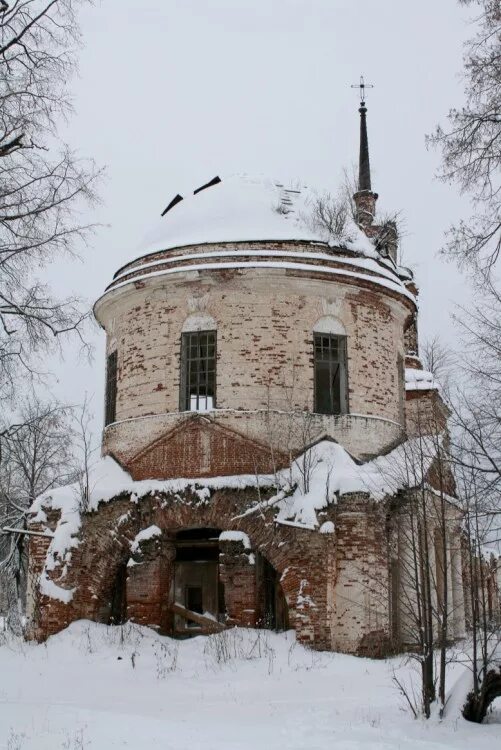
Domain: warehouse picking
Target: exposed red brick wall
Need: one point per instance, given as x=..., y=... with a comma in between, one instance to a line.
x=426, y=413
x=201, y=448
x=237, y=571
x=148, y=583
x=362, y=602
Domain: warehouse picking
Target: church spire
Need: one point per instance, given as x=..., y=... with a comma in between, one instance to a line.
x=365, y=199
x=364, y=167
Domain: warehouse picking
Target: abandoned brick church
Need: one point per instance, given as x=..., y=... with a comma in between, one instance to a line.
x=267, y=424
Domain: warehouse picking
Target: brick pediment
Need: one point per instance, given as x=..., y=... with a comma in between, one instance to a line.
x=200, y=447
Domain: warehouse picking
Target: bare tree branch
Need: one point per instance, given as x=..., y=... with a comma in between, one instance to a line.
x=42, y=183
x=471, y=145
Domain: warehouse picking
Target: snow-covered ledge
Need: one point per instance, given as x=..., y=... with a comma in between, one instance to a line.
x=420, y=380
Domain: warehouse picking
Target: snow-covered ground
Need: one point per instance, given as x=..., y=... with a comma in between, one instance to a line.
x=99, y=688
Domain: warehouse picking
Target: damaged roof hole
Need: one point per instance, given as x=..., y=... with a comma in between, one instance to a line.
x=215, y=181
x=177, y=199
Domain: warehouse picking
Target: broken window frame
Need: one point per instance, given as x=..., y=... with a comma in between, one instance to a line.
x=330, y=355
x=198, y=371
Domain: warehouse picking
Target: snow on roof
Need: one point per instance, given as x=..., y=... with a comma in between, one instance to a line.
x=242, y=208
x=383, y=475
x=419, y=380
x=107, y=480
x=333, y=473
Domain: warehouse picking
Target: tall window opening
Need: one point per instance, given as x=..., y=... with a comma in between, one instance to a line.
x=111, y=389
x=401, y=388
x=331, y=375
x=274, y=613
x=198, y=371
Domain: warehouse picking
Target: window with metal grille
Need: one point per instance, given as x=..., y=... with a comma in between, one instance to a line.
x=198, y=371
x=331, y=375
x=111, y=389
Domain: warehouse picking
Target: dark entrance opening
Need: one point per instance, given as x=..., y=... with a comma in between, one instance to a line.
x=273, y=603
x=118, y=600
x=196, y=578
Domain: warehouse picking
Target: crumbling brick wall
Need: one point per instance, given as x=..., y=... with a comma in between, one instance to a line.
x=314, y=568
x=361, y=615
x=106, y=536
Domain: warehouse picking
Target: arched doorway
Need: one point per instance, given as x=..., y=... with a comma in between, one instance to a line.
x=217, y=583
x=197, y=580
x=195, y=586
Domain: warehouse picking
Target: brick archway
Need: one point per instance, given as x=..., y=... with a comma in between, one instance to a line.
x=105, y=547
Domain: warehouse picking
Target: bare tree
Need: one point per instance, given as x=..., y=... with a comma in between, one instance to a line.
x=330, y=216
x=471, y=144
x=334, y=218
x=83, y=451
x=415, y=601
x=439, y=359
x=42, y=182
x=476, y=408
x=482, y=649
x=476, y=442
x=426, y=563
x=36, y=457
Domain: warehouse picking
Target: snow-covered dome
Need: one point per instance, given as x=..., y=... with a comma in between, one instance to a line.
x=241, y=222
x=242, y=262
x=242, y=208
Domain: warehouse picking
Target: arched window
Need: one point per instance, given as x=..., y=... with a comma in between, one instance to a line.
x=331, y=366
x=198, y=364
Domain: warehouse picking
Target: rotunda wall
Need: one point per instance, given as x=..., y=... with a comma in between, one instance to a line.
x=265, y=322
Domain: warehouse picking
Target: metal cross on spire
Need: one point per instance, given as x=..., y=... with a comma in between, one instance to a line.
x=364, y=169
x=362, y=86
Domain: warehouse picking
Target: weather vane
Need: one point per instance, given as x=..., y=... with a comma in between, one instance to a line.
x=362, y=86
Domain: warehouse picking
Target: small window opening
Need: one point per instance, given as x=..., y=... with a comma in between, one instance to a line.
x=198, y=371
x=331, y=377
x=111, y=388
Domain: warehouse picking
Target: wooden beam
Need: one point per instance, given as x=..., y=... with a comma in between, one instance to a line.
x=10, y=530
x=207, y=623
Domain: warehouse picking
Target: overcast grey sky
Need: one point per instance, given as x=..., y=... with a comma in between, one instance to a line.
x=173, y=92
